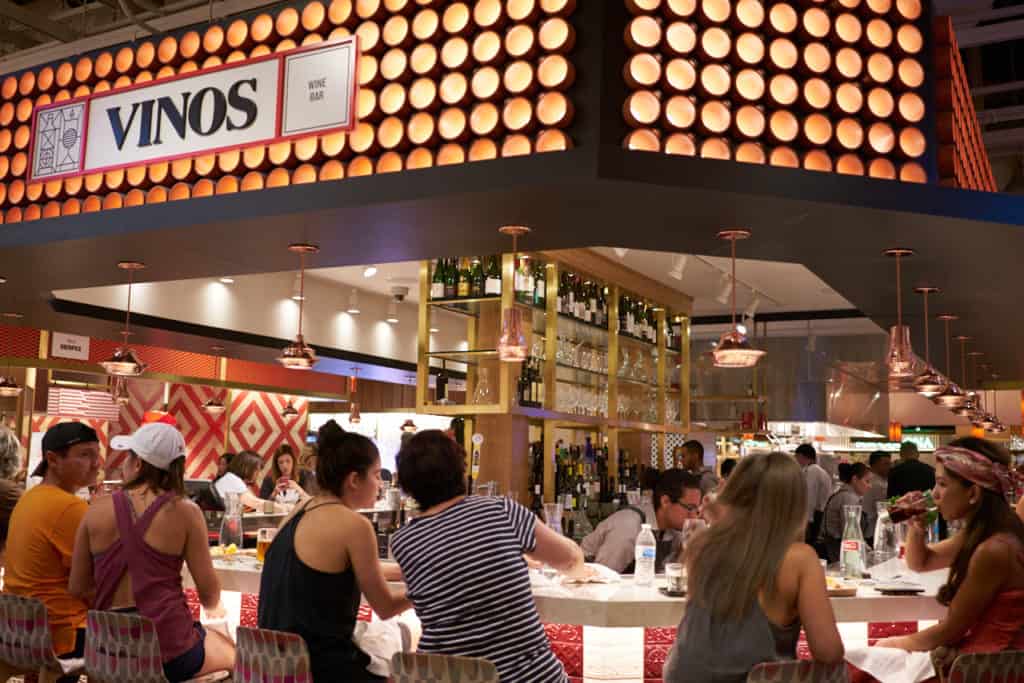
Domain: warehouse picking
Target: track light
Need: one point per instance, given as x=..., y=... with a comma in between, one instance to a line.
x=392, y=312
x=679, y=262
x=369, y=271
x=353, y=303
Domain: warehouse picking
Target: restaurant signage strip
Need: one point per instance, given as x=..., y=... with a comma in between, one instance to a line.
x=308, y=90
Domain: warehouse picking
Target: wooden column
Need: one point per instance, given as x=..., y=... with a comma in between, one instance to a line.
x=504, y=456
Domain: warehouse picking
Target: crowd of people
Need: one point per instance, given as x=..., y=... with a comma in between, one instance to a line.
x=754, y=581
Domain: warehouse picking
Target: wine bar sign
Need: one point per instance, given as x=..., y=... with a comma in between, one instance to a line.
x=309, y=90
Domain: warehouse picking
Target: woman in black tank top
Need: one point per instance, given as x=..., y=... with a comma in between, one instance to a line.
x=322, y=606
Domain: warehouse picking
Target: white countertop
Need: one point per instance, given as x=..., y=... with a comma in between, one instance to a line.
x=626, y=605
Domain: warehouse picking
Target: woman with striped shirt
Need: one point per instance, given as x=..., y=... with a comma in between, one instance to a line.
x=463, y=564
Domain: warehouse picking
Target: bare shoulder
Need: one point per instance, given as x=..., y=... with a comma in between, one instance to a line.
x=799, y=558
x=99, y=508
x=1000, y=549
x=186, y=508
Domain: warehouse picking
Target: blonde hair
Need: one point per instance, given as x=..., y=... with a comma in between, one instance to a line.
x=764, y=511
x=10, y=453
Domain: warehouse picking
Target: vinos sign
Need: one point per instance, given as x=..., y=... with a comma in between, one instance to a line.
x=309, y=90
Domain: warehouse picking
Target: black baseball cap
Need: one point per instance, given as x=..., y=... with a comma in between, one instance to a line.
x=62, y=436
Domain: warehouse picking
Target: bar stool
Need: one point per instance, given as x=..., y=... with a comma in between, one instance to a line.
x=25, y=645
x=977, y=667
x=798, y=670
x=407, y=667
x=265, y=656
x=124, y=647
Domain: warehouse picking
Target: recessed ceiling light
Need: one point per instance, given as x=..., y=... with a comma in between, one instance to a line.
x=228, y=280
x=12, y=314
x=369, y=271
x=434, y=329
x=3, y=280
x=298, y=297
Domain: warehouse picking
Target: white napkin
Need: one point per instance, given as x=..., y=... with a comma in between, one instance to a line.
x=380, y=640
x=890, y=665
x=71, y=665
x=602, y=574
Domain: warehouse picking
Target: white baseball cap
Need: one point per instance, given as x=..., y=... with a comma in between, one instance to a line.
x=157, y=443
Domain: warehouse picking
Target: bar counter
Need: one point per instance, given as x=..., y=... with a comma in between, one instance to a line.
x=622, y=633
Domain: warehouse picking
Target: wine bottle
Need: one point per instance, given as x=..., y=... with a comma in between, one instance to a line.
x=451, y=280
x=437, y=282
x=477, y=280
x=539, y=285
x=492, y=287
x=463, y=288
x=537, y=503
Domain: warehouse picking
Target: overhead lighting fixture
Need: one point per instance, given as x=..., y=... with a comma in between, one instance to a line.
x=434, y=330
x=124, y=362
x=969, y=406
x=227, y=280
x=392, y=317
x=214, y=406
x=369, y=271
x=512, y=342
x=952, y=396
x=289, y=411
x=751, y=310
x=725, y=288
x=620, y=252
x=900, y=357
x=298, y=355
x=679, y=262
x=354, y=416
x=3, y=280
x=929, y=383
x=353, y=303
x=733, y=350
x=409, y=427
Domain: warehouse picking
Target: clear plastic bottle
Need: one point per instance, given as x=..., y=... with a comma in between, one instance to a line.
x=645, y=554
x=852, y=549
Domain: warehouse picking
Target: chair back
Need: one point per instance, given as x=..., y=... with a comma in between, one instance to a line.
x=995, y=667
x=408, y=667
x=798, y=671
x=264, y=656
x=25, y=633
x=122, y=647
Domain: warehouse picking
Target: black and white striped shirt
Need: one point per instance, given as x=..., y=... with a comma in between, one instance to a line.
x=467, y=579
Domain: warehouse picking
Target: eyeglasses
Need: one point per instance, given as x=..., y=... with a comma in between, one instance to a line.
x=689, y=507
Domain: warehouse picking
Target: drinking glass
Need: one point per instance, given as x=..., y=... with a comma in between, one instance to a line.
x=264, y=537
x=553, y=516
x=675, y=577
x=482, y=394
x=231, y=524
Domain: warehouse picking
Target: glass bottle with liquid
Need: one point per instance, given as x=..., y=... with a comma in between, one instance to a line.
x=231, y=524
x=852, y=548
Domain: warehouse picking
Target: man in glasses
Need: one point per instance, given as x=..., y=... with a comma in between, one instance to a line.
x=676, y=499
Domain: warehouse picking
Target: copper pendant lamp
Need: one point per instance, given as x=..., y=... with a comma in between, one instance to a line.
x=124, y=362
x=733, y=349
x=952, y=396
x=289, y=411
x=968, y=408
x=512, y=343
x=298, y=355
x=929, y=383
x=900, y=358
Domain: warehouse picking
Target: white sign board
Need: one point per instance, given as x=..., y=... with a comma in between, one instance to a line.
x=276, y=97
x=73, y=346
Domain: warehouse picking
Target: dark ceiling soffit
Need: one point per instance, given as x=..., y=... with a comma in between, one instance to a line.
x=786, y=317
x=220, y=334
x=36, y=20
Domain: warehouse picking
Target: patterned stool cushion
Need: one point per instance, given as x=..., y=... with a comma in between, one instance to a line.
x=423, y=668
x=264, y=656
x=122, y=647
x=25, y=633
x=798, y=672
x=997, y=667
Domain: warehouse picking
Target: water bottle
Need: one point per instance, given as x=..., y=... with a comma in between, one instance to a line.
x=852, y=548
x=645, y=554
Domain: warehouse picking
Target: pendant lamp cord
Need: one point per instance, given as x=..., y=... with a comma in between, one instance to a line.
x=302, y=287
x=949, y=355
x=732, y=242
x=899, y=293
x=128, y=313
x=927, y=345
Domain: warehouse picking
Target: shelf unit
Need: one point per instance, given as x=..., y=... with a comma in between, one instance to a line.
x=544, y=327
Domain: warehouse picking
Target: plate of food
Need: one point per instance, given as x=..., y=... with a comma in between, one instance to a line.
x=836, y=588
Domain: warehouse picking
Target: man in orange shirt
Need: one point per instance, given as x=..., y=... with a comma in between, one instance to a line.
x=42, y=532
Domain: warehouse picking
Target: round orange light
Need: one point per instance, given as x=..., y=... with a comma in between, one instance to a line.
x=749, y=85
x=680, y=75
x=818, y=160
x=680, y=144
x=715, y=148
x=849, y=98
x=784, y=157
x=882, y=168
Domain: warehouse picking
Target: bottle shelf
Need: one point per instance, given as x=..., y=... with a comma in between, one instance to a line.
x=636, y=341
x=467, y=357
x=463, y=306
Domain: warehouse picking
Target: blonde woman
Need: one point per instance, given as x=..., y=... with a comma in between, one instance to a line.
x=753, y=582
x=10, y=490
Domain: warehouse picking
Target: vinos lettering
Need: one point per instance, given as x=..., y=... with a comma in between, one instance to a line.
x=204, y=112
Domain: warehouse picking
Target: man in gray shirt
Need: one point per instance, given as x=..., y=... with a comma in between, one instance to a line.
x=691, y=455
x=819, y=488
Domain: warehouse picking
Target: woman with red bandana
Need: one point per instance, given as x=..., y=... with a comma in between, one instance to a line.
x=985, y=588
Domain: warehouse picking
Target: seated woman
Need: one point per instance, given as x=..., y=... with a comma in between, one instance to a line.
x=325, y=555
x=753, y=583
x=856, y=481
x=985, y=589
x=286, y=483
x=241, y=479
x=131, y=545
x=462, y=559
x=223, y=463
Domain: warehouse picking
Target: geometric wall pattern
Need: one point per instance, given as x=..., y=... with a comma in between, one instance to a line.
x=257, y=425
x=204, y=432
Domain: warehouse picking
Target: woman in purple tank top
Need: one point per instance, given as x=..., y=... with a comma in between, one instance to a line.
x=131, y=547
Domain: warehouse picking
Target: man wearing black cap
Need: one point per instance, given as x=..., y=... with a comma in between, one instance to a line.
x=42, y=532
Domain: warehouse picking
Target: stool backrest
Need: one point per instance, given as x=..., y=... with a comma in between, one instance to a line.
x=996, y=667
x=798, y=671
x=264, y=656
x=122, y=647
x=25, y=633
x=407, y=667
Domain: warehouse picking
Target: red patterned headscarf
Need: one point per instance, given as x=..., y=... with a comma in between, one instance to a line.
x=976, y=468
